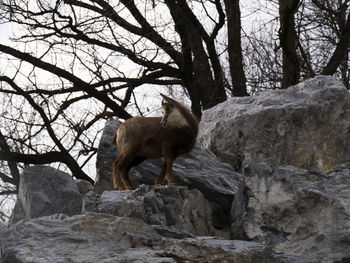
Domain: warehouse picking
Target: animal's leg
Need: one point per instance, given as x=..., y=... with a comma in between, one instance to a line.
x=169, y=170
x=117, y=182
x=160, y=178
x=132, y=161
x=128, y=160
x=125, y=179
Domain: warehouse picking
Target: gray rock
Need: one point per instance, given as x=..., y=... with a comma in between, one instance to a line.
x=239, y=213
x=102, y=238
x=106, y=154
x=171, y=206
x=90, y=201
x=295, y=210
x=45, y=191
x=83, y=186
x=217, y=181
x=198, y=169
x=3, y=228
x=306, y=125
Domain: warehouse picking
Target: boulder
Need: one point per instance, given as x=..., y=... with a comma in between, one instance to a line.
x=107, y=152
x=296, y=210
x=306, y=125
x=3, y=228
x=45, y=191
x=103, y=238
x=83, y=186
x=171, y=206
x=199, y=169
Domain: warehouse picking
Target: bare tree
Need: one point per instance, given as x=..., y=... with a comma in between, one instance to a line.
x=234, y=47
x=314, y=41
x=74, y=64
x=288, y=42
x=144, y=41
x=337, y=18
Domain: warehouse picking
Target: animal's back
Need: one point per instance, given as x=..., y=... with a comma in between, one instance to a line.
x=147, y=138
x=143, y=135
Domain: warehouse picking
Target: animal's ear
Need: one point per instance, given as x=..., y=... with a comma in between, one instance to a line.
x=167, y=99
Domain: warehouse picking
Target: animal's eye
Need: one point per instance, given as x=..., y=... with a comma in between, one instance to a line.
x=167, y=107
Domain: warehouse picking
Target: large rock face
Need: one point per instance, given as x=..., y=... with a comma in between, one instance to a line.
x=102, y=238
x=295, y=210
x=45, y=191
x=171, y=206
x=106, y=154
x=307, y=125
x=285, y=204
x=199, y=169
x=2, y=228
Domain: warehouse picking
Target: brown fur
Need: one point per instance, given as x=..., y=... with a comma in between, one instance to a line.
x=140, y=138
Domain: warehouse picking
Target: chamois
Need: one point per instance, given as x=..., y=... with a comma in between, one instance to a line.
x=141, y=138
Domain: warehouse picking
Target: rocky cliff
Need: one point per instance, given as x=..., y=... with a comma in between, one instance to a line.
x=268, y=182
x=307, y=125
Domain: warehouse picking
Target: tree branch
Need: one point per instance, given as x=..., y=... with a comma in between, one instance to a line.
x=78, y=83
x=66, y=157
x=341, y=49
x=45, y=158
x=13, y=167
x=7, y=179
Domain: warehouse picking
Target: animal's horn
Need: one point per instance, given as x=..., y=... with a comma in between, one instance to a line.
x=167, y=98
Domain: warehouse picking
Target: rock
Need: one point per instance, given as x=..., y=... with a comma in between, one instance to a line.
x=199, y=169
x=45, y=191
x=107, y=152
x=171, y=206
x=239, y=213
x=3, y=228
x=306, y=125
x=90, y=200
x=83, y=186
x=217, y=181
x=102, y=238
x=296, y=210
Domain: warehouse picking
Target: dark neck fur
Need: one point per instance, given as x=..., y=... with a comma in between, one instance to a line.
x=190, y=118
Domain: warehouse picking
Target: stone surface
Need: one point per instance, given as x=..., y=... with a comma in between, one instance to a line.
x=307, y=125
x=3, y=228
x=171, y=206
x=198, y=169
x=107, y=152
x=295, y=210
x=286, y=212
x=102, y=238
x=83, y=186
x=45, y=191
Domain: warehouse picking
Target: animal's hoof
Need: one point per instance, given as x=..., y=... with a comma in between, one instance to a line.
x=119, y=188
x=156, y=183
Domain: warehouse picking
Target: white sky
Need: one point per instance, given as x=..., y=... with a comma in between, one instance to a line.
x=5, y=31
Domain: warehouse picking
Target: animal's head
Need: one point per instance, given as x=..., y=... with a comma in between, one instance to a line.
x=172, y=114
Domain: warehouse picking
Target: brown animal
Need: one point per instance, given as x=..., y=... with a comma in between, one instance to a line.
x=140, y=138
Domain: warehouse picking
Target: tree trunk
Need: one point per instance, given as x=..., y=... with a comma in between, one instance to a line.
x=288, y=40
x=196, y=68
x=340, y=52
x=233, y=13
